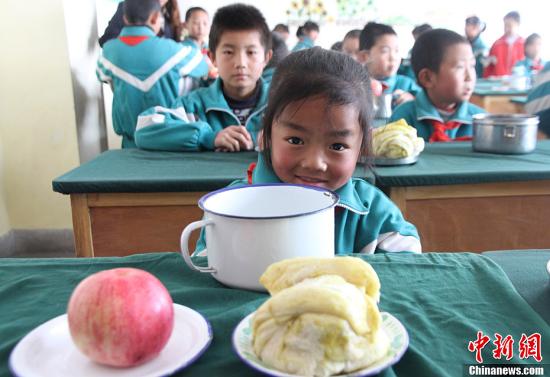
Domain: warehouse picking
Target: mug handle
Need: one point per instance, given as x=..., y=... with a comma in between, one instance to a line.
x=184, y=241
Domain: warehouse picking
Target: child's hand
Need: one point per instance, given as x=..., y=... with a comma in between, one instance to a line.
x=233, y=139
x=401, y=96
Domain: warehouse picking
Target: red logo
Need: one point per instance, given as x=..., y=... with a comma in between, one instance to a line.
x=477, y=345
x=528, y=346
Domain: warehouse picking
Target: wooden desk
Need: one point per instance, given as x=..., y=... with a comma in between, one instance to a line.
x=132, y=201
x=495, y=96
x=460, y=200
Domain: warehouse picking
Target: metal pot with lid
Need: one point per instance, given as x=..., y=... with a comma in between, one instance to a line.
x=505, y=133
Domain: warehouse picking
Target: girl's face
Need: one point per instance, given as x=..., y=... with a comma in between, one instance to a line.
x=383, y=58
x=471, y=31
x=315, y=144
x=198, y=25
x=532, y=50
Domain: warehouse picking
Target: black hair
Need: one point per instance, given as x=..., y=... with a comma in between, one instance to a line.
x=192, y=10
x=430, y=48
x=281, y=28
x=370, y=34
x=238, y=17
x=421, y=29
x=513, y=15
x=310, y=26
x=337, y=46
x=316, y=72
x=531, y=39
x=137, y=12
x=475, y=20
x=280, y=50
x=355, y=33
x=300, y=32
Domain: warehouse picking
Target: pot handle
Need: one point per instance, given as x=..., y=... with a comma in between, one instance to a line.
x=510, y=131
x=184, y=242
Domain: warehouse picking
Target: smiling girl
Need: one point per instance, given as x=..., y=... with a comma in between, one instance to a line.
x=315, y=128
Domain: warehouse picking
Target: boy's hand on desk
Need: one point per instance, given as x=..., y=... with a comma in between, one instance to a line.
x=233, y=139
x=401, y=96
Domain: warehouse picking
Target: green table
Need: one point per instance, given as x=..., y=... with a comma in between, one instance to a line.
x=494, y=96
x=443, y=299
x=131, y=201
x=461, y=200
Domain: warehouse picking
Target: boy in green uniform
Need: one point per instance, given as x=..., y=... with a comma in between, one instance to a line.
x=444, y=65
x=225, y=116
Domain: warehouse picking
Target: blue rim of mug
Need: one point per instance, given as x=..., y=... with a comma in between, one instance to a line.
x=332, y=194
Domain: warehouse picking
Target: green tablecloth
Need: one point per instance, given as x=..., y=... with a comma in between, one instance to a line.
x=134, y=170
x=457, y=163
x=527, y=271
x=496, y=88
x=442, y=299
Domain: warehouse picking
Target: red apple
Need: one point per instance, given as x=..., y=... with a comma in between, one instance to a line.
x=121, y=317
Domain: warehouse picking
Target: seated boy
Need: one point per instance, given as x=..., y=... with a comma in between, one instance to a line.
x=144, y=70
x=444, y=65
x=225, y=116
x=307, y=35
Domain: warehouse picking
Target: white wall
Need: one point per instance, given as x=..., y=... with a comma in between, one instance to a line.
x=37, y=121
x=4, y=218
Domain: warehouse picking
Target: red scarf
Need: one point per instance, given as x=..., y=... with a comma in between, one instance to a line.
x=132, y=40
x=249, y=172
x=439, y=134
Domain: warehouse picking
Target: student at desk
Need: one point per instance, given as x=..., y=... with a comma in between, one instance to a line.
x=315, y=129
x=226, y=115
x=444, y=65
x=144, y=70
x=379, y=52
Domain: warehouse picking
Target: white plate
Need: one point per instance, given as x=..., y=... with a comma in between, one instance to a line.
x=382, y=161
x=48, y=350
x=399, y=341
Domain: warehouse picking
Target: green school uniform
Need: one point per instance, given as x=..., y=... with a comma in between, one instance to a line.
x=421, y=111
x=366, y=221
x=193, y=121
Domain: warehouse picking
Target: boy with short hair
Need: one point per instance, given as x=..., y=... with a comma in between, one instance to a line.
x=307, y=34
x=444, y=65
x=225, y=116
x=506, y=50
x=144, y=70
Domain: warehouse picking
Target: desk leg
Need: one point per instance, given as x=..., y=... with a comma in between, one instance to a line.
x=398, y=195
x=82, y=225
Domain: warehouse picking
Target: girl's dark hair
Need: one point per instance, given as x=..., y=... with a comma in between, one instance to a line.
x=316, y=72
x=475, y=20
x=371, y=32
x=531, y=39
x=430, y=48
x=192, y=10
x=171, y=12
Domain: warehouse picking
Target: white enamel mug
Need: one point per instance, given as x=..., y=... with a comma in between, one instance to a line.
x=250, y=227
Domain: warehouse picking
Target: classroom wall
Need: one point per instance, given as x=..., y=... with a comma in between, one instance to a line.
x=4, y=218
x=37, y=120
